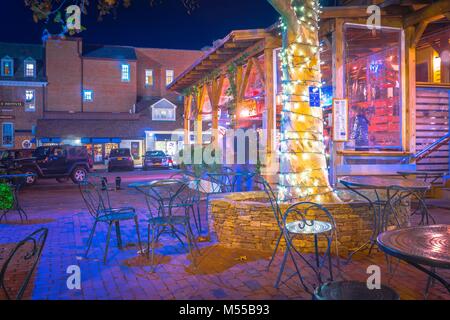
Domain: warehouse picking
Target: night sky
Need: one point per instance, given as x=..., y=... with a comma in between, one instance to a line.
x=168, y=25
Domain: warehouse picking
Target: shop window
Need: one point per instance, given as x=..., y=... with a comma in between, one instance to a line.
x=149, y=78
x=30, y=68
x=7, y=134
x=125, y=72
x=163, y=110
x=373, y=80
x=30, y=101
x=169, y=76
x=7, y=67
x=88, y=95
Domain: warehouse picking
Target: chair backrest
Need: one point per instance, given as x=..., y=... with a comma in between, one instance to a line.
x=92, y=197
x=18, y=268
x=264, y=185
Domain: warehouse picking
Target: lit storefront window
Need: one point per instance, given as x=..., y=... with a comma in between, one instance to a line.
x=373, y=85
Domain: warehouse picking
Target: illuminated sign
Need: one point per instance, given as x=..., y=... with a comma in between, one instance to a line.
x=11, y=104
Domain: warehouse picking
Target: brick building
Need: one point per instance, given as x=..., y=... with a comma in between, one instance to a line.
x=100, y=96
x=22, y=93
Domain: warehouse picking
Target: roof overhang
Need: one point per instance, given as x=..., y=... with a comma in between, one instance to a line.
x=224, y=50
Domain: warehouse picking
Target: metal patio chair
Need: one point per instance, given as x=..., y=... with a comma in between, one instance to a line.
x=308, y=219
x=98, y=204
x=169, y=203
x=197, y=190
x=27, y=253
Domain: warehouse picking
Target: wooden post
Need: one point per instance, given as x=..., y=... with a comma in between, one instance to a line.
x=187, y=116
x=445, y=63
x=339, y=87
x=409, y=90
x=269, y=102
x=199, y=121
x=214, y=93
x=238, y=98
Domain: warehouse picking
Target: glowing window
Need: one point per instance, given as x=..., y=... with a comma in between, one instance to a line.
x=169, y=77
x=125, y=72
x=149, y=77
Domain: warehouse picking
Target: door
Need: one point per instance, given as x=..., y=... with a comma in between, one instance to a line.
x=56, y=162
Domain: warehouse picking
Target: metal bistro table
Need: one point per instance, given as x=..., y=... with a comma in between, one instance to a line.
x=382, y=207
x=13, y=181
x=163, y=197
x=427, y=176
x=421, y=247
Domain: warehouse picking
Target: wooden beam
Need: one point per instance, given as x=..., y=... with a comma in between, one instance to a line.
x=244, y=84
x=419, y=32
x=433, y=12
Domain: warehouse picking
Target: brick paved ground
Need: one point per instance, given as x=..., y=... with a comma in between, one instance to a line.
x=220, y=273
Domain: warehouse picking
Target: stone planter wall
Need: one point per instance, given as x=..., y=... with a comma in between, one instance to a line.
x=246, y=220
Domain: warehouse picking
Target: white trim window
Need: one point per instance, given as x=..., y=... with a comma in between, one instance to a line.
x=125, y=72
x=149, y=79
x=7, y=67
x=88, y=95
x=30, y=100
x=30, y=68
x=170, y=76
x=8, y=134
x=164, y=110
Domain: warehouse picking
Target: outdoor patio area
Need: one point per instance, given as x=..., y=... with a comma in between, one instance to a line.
x=221, y=272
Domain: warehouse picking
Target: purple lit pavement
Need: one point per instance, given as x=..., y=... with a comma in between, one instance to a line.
x=221, y=273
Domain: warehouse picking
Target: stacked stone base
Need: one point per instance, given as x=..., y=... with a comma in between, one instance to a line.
x=246, y=220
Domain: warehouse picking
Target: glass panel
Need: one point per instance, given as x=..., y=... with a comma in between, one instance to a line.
x=169, y=76
x=7, y=134
x=373, y=80
x=29, y=69
x=125, y=72
x=149, y=77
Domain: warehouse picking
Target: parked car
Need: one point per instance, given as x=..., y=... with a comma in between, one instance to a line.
x=120, y=159
x=157, y=159
x=55, y=162
x=7, y=156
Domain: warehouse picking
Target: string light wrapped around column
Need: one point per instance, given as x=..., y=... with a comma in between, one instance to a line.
x=303, y=164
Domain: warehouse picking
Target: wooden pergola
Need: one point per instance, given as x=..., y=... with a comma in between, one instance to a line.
x=209, y=73
x=414, y=17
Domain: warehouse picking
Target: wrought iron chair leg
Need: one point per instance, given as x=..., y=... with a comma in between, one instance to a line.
x=330, y=260
x=199, y=218
x=148, y=241
x=195, y=218
x=153, y=248
x=191, y=234
x=316, y=251
x=108, y=238
x=118, y=235
x=174, y=232
x=91, y=236
x=275, y=251
x=138, y=233
x=283, y=263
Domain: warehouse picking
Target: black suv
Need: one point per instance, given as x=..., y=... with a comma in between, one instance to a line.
x=60, y=162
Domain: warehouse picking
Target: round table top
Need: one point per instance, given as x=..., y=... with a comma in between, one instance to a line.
x=425, y=245
x=421, y=173
x=385, y=183
x=155, y=183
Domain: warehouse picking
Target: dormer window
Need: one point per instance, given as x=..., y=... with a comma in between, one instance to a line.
x=164, y=110
x=30, y=68
x=7, y=66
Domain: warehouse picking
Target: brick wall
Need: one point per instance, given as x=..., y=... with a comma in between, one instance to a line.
x=23, y=121
x=162, y=60
x=63, y=65
x=103, y=76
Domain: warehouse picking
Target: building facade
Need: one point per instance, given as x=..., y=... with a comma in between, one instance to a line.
x=103, y=97
x=22, y=93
